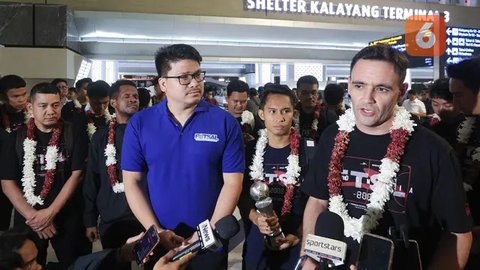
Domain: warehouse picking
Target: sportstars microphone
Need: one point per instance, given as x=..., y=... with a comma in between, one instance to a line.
x=327, y=246
x=225, y=228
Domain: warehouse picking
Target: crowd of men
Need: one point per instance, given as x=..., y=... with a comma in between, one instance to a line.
x=93, y=164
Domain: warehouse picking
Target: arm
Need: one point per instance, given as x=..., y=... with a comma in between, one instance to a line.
x=44, y=217
x=452, y=251
x=15, y=195
x=312, y=210
x=229, y=195
x=143, y=211
x=91, y=187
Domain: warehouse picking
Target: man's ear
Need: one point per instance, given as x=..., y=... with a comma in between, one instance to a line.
x=403, y=90
x=30, y=108
x=261, y=114
x=162, y=82
x=113, y=103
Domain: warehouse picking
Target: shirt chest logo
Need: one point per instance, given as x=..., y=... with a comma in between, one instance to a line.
x=206, y=137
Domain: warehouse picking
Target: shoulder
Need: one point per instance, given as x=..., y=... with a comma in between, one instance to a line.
x=424, y=138
x=147, y=115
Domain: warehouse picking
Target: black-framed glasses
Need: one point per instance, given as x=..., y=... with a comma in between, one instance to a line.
x=186, y=79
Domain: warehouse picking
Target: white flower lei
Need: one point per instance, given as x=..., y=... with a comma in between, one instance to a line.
x=28, y=179
x=91, y=128
x=110, y=153
x=248, y=118
x=465, y=129
x=381, y=190
x=27, y=116
x=77, y=104
x=256, y=169
x=296, y=122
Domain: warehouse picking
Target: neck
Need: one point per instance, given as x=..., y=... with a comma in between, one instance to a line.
x=236, y=115
x=277, y=141
x=308, y=109
x=43, y=128
x=122, y=118
x=180, y=113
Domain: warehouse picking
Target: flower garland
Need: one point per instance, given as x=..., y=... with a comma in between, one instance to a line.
x=91, y=128
x=77, y=105
x=111, y=162
x=465, y=129
x=6, y=119
x=314, y=127
x=400, y=132
x=51, y=156
x=248, y=119
x=293, y=167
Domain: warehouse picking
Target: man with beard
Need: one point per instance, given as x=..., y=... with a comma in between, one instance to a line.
x=382, y=173
x=41, y=168
x=103, y=189
x=191, y=152
x=13, y=115
x=312, y=118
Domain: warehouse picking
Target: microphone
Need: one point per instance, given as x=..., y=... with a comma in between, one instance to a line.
x=327, y=246
x=209, y=239
x=260, y=193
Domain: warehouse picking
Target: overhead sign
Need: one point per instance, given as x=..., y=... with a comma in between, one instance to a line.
x=462, y=43
x=398, y=42
x=325, y=8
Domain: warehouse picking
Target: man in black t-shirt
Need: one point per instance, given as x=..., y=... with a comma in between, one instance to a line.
x=74, y=108
x=277, y=111
x=312, y=117
x=103, y=195
x=426, y=194
x=13, y=114
x=41, y=168
x=96, y=114
x=237, y=97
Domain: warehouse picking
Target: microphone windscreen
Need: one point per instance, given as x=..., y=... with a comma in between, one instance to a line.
x=329, y=225
x=227, y=227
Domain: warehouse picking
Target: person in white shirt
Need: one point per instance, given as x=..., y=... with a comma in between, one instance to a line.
x=414, y=105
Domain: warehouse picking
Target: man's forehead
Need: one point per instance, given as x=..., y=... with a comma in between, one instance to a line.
x=307, y=86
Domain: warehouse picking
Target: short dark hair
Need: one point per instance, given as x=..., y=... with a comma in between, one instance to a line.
x=11, y=82
x=307, y=79
x=333, y=94
x=80, y=82
x=98, y=89
x=412, y=92
x=114, y=90
x=174, y=53
x=10, y=242
x=280, y=89
x=467, y=71
x=252, y=92
x=383, y=52
x=237, y=86
x=440, y=89
x=43, y=88
x=144, y=97
x=58, y=80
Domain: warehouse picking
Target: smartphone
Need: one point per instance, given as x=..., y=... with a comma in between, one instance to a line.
x=146, y=245
x=407, y=258
x=376, y=253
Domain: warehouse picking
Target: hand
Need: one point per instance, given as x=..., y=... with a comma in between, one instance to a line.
x=41, y=219
x=169, y=240
x=353, y=267
x=267, y=225
x=126, y=251
x=189, y=241
x=92, y=234
x=48, y=232
x=309, y=264
x=165, y=264
x=289, y=241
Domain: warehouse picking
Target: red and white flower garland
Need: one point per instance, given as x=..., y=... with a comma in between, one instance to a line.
x=314, y=127
x=29, y=148
x=400, y=132
x=293, y=168
x=111, y=161
x=91, y=128
x=6, y=119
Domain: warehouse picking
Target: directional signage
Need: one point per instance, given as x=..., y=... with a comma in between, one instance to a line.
x=462, y=43
x=398, y=42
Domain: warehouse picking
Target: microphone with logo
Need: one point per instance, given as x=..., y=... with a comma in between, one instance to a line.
x=260, y=194
x=209, y=239
x=327, y=246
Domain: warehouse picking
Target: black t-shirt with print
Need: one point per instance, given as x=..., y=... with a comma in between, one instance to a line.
x=69, y=160
x=275, y=167
x=428, y=194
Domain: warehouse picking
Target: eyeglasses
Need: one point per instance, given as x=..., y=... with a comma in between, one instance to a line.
x=186, y=79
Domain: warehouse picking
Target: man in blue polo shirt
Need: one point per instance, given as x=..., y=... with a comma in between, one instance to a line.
x=191, y=152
